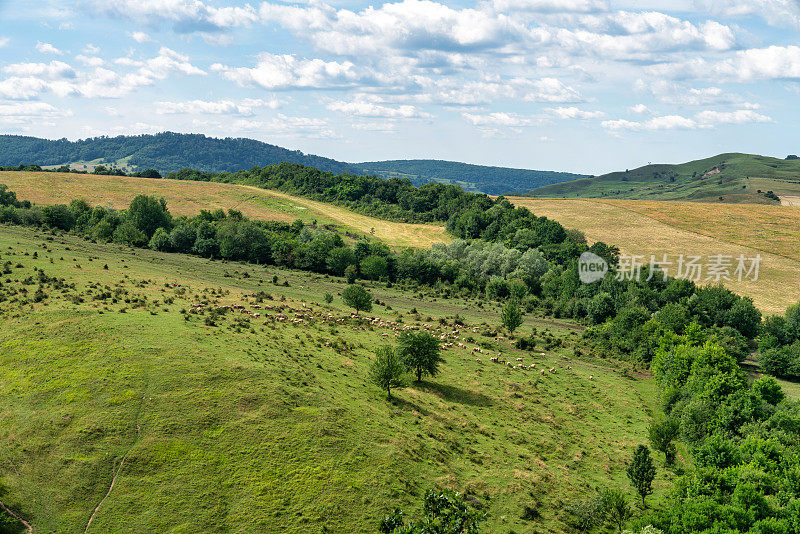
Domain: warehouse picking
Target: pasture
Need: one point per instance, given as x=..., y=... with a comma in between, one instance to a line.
x=189, y=198
x=140, y=367
x=657, y=227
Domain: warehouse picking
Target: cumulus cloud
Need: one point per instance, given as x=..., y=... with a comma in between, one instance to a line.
x=704, y=120
x=640, y=109
x=502, y=119
x=548, y=90
x=92, y=61
x=21, y=113
x=185, y=16
x=28, y=80
x=287, y=71
x=47, y=48
x=770, y=63
x=4, y=41
x=52, y=70
x=140, y=37
x=285, y=126
x=551, y=6
x=670, y=92
x=247, y=106
x=572, y=112
x=365, y=108
x=783, y=13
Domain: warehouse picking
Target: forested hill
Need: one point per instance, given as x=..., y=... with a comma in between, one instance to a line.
x=168, y=152
x=164, y=151
x=490, y=180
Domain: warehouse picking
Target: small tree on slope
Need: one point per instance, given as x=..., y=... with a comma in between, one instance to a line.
x=641, y=472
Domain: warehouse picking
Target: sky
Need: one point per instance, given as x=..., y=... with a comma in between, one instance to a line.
x=585, y=86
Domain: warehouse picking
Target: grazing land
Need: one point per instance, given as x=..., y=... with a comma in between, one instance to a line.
x=729, y=178
x=228, y=421
x=674, y=228
x=190, y=197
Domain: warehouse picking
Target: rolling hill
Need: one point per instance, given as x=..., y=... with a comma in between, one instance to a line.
x=490, y=180
x=734, y=178
x=170, y=151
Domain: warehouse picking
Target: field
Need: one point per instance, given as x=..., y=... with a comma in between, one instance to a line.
x=726, y=178
x=655, y=228
x=225, y=422
x=188, y=198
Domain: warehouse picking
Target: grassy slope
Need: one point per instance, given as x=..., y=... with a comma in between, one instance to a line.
x=188, y=198
x=257, y=428
x=739, y=178
x=674, y=228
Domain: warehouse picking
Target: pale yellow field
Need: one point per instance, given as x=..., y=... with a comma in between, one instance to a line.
x=656, y=228
x=188, y=198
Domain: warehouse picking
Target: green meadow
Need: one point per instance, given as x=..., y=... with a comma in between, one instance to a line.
x=123, y=365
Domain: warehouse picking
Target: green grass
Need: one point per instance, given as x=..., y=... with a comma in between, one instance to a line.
x=254, y=427
x=734, y=177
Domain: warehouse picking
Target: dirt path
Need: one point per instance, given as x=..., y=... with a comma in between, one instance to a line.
x=790, y=200
x=122, y=462
x=18, y=518
x=111, y=487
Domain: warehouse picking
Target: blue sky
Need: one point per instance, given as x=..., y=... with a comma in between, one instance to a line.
x=575, y=85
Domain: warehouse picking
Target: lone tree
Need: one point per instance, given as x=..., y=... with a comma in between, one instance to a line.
x=641, y=472
x=357, y=297
x=617, y=508
x=420, y=353
x=387, y=371
x=512, y=315
x=661, y=436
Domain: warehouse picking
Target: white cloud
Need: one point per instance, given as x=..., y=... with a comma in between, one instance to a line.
x=771, y=63
x=28, y=80
x=21, y=113
x=681, y=94
x=704, y=120
x=217, y=39
x=740, y=116
x=640, y=109
x=549, y=90
x=16, y=88
x=52, y=70
x=140, y=37
x=664, y=122
x=91, y=49
x=287, y=71
x=363, y=108
x=220, y=107
x=185, y=15
x=783, y=13
x=47, y=48
x=502, y=119
x=90, y=61
x=572, y=112
x=4, y=41
x=551, y=6
x=285, y=126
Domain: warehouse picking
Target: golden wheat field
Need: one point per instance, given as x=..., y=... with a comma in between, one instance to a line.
x=661, y=227
x=188, y=198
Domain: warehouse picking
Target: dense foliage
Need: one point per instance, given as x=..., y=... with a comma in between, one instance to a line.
x=443, y=512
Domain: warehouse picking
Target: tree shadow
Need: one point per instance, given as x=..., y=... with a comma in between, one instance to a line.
x=406, y=405
x=455, y=394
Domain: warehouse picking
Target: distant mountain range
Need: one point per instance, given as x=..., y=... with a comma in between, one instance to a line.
x=173, y=151
x=730, y=177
